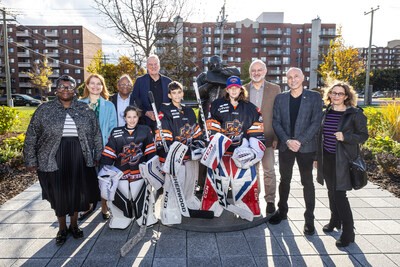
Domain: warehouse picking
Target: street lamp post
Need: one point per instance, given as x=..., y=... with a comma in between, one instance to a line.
x=368, y=89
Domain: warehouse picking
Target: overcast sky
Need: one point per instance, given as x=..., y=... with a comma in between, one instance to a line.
x=347, y=13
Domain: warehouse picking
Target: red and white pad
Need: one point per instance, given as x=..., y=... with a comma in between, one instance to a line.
x=215, y=150
x=245, y=189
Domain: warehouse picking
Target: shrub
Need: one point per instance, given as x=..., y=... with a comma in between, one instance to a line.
x=8, y=117
x=381, y=144
x=390, y=164
x=11, y=150
x=391, y=113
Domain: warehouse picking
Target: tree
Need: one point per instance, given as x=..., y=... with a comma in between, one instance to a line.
x=39, y=76
x=136, y=20
x=341, y=62
x=111, y=72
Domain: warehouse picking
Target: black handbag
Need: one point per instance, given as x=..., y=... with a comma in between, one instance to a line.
x=358, y=171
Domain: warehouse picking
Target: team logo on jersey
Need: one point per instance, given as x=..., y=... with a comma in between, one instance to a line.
x=186, y=133
x=131, y=154
x=234, y=131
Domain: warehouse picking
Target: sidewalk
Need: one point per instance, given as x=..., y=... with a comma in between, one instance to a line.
x=28, y=227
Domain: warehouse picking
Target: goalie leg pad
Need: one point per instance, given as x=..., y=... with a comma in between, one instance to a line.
x=189, y=182
x=170, y=212
x=138, y=192
x=174, y=158
x=210, y=199
x=108, y=181
x=215, y=150
x=151, y=171
x=121, y=208
x=245, y=189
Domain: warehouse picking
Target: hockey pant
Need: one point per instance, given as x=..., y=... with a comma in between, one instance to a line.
x=242, y=181
x=129, y=204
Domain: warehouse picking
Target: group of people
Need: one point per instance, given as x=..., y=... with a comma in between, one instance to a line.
x=70, y=139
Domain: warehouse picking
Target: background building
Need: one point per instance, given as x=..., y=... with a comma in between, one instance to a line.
x=280, y=45
x=69, y=50
x=383, y=57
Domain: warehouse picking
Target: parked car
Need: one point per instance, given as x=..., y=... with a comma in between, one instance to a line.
x=20, y=100
x=378, y=94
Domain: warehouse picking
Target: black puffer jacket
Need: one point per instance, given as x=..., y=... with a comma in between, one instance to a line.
x=353, y=124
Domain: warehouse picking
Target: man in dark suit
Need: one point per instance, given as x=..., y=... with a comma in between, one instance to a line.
x=262, y=94
x=122, y=99
x=296, y=119
x=152, y=81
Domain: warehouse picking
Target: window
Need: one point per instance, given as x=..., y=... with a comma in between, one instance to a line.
x=66, y=61
x=45, y=51
x=238, y=40
x=77, y=51
x=65, y=41
x=308, y=30
x=254, y=40
x=66, y=71
x=309, y=40
x=193, y=40
x=238, y=59
x=66, y=51
x=75, y=31
x=36, y=41
x=238, y=49
x=239, y=30
x=11, y=50
x=255, y=30
x=77, y=61
x=64, y=31
x=77, y=71
x=254, y=50
x=76, y=41
x=78, y=81
x=299, y=40
x=12, y=70
x=286, y=60
x=10, y=39
x=11, y=60
x=264, y=59
x=37, y=51
x=299, y=31
x=35, y=31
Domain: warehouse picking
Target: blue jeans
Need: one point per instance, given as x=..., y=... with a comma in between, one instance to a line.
x=305, y=163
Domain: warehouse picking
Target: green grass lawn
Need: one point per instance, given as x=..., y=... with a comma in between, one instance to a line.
x=24, y=116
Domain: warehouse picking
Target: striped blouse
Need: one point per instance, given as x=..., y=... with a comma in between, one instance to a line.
x=69, y=127
x=330, y=127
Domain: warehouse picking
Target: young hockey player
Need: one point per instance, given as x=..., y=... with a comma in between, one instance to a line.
x=179, y=124
x=241, y=122
x=127, y=147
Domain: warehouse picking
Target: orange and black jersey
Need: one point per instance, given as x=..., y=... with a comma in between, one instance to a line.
x=178, y=124
x=242, y=121
x=126, y=149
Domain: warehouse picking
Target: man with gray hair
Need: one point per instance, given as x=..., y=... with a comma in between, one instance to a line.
x=122, y=98
x=262, y=94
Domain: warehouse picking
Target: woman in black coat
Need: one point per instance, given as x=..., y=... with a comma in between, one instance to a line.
x=343, y=128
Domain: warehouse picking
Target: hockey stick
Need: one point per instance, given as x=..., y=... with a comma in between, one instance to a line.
x=139, y=236
x=222, y=199
x=201, y=111
x=158, y=122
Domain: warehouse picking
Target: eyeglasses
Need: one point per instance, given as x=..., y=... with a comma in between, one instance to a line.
x=63, y=87
x=337, y=94
x=125, y=84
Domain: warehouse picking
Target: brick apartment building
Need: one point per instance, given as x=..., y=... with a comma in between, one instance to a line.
x=383, y=57
x=280, y=45
x=69, y=50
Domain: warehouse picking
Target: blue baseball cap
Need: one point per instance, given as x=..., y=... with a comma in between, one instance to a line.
x=233, y=81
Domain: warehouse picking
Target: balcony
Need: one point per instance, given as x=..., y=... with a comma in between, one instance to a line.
x=25, y=33
x=325, y=42
x=271, y=42
x=275, y=52
x=218, y=52
x=51, y=44
x=22, y=84
x=274, y=62
x=23, y=54
x=274, y=72
x=271, y=32
x=53, y=55
x=24, y=44
x=23, y=75
x=327, y=34
x=24, y=64
x=51, y=34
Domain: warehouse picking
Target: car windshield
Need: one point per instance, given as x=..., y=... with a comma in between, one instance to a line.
x=27, y=97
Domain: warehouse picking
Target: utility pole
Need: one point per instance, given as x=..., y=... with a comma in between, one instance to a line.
x=6, y=60
x=221, y=21
x=368, y=89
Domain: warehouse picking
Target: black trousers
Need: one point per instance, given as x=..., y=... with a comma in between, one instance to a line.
x=338, y=201
x=305, y=163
